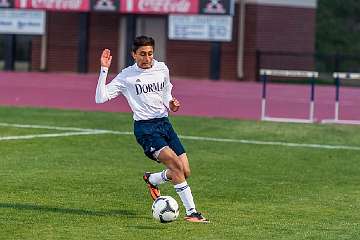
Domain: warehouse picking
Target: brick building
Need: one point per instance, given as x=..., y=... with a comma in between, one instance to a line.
x=73, y=40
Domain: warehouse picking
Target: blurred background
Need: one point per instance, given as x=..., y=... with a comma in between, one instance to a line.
x=216, y=39
x=211, y=39
x=225, y=40
x=230, y=61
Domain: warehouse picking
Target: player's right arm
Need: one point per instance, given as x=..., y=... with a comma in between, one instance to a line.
x=114, y=88
x=106, y=58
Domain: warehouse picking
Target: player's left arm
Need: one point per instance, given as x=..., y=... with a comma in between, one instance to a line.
x=174, y=105
x=170, y=102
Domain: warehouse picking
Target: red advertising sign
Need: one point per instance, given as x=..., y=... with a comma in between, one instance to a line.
x=159, y=6
x=57, y=5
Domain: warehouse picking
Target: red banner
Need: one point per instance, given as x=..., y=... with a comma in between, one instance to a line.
x=58, y=5
x=159, y=6
x=218, y=7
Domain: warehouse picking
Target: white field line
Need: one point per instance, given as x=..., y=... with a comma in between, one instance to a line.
x=49, y=135
x=46, y=127
x=97, y=131
x=287, y=144
x=85, y=131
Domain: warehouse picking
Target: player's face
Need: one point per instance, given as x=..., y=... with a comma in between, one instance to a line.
x=144, y=56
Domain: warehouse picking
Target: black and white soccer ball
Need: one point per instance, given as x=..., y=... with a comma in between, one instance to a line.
x=165, y=209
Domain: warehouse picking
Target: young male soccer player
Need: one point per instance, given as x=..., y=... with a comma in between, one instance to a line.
x=147, y=88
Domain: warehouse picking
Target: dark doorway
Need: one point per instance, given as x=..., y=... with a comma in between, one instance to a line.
x=23, y=53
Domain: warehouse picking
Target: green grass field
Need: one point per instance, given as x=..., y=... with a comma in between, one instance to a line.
x=91, y=187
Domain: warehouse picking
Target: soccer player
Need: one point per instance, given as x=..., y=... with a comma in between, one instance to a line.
x=147, y=88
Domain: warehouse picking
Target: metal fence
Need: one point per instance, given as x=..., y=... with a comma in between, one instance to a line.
x=324, y=63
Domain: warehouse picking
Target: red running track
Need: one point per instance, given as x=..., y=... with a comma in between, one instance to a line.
x=239, y=100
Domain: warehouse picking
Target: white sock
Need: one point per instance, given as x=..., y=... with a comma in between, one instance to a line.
x=158, y=178
x=185, y=194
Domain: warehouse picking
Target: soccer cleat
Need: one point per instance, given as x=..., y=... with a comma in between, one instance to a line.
x=196, y=217
x=154, y=191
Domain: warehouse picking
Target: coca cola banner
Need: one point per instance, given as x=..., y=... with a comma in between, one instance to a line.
x=58, y=5
x=159, y=6
x=212, y=7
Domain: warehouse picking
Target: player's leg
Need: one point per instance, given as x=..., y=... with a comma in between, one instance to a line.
x=185, y=163
x=176, y=145
x=174, y=165
x=152, y=143
x=153, y=180
x=153, y=189
x=176, y=173
x=159, y=177
x=164, y=176
x=182, y=188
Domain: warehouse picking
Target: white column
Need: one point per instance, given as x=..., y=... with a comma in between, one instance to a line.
x=122, y=43
x=154, y=27
x=241, y=26
x=43, y=48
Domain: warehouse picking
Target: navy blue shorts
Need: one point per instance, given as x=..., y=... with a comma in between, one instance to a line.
x=154, y=134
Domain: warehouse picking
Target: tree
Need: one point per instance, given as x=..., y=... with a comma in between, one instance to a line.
x=338, y=26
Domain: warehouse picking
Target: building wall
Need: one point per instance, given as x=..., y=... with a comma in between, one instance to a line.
x=192, y=58
x=285, y=28
x=188, y=58
x=288, y=3
x=279, y=29
x=294, y=29
x=155, y=27
x=250, y=43
x=35, y=53
x=103, y=33
x=267, y=28
x=63, y=41
x=229, y=52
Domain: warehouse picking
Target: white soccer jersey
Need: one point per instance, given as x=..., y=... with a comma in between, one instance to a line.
x=148, y=91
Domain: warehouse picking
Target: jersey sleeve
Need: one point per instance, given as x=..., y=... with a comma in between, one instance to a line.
x=105, y=92
x=167, y=97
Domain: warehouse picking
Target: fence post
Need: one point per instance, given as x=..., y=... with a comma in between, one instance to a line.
x=337, y=62
x=9, y=53
x=83, y=44
x=215, y=60
x=257, y=65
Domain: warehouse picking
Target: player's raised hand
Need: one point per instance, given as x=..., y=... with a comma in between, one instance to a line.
x=105, y=59
x=174, y=105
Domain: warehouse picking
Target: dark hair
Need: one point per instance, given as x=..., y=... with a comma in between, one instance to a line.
x=141, y=41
